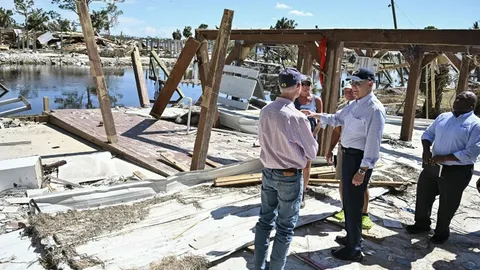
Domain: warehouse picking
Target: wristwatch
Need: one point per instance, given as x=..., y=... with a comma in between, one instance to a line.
x=361, y=171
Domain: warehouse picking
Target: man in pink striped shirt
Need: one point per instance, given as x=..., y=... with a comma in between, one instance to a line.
x=287, y=145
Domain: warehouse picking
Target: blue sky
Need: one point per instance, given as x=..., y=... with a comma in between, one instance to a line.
x=160, y=18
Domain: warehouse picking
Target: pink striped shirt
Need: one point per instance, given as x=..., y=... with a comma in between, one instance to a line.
x=285, y=136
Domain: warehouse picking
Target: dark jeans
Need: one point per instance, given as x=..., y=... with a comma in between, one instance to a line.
x=281, y=199
x=353, y=196
x=450, y=187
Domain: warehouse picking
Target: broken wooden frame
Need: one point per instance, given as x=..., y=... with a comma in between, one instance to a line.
x=23, y=108
x=414, y=43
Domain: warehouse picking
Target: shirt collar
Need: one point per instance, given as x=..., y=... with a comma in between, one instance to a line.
x=465, y=115
x=283, y=100
x=365, y=99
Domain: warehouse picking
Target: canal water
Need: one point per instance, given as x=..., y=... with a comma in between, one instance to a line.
x=72, y=87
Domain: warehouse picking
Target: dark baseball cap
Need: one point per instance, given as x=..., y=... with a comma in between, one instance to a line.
x=289, y=77
x=362, y=74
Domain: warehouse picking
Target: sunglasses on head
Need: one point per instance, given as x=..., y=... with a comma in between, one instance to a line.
x=306, y=83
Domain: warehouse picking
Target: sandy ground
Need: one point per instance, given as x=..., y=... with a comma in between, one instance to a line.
x=395, y=249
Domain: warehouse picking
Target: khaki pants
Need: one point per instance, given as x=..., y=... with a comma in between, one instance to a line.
x=338, y=168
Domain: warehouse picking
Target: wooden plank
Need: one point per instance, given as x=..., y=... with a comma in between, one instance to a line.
x=463, y=76
x=380, y=53
x=175, y=77
x=234, y=54
x=244, y=51
x=139, y=79
x=415, y=60
x=312, y=47
x=403, y=47
x=237, y=86
x=174, y=163
x=301, y=50
x=369, y=53
x=210, y=98
x=457, y=63
x=307, y=67
x=427, y=58
x=165, y=70
x=97, y=72
x=203, y=67
x=208, y=161
x=140, y=175
x=245, y=72
x=359, y=52
x=46, y=104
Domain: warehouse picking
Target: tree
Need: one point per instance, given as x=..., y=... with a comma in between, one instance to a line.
x=430, y=28
x=24, y=8
x=99, y=20
x=70, y=5
x=113, y=13
x=285, y=23
x=59, y=24
x=38, y=20
x=177, y=35
x=187, y=31
x=475, y=25
x=6, y=18
x=203, y=26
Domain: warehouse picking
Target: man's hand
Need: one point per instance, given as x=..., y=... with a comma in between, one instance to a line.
x=358, y=179
x=426, y=156
x=329, y=158
x=311, y=114
x=438, y=159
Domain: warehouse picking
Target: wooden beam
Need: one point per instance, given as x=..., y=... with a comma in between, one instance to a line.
x=380, y=53
x=183, y=61
x=165, y=70
x=203, y=66
x=454, y=60
x=369, y=52
x=46, y=104
x=463, y=76
x=402, y=47
x=208, y=161
x=300, y=57
x=234, y=54
x=415, y=59
x=427, y=58
x=97, y=72
x=312, y=47
x=245, y=50
x=209, y=102
x=307, y=67
x=381, y=36
x=359, y=52
x=139, y=79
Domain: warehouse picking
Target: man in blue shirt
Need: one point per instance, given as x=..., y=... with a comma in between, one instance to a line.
x=363, y=121
x=456, y=145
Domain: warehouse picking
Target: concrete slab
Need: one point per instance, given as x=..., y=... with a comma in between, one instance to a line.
x=22, y=172
x=18, y=254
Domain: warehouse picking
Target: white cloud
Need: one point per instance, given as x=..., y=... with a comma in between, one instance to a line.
x=126, y=21
x=162, y=32
x=300, y=13
x=282, y=6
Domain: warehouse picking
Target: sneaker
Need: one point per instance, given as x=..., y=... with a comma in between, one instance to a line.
x=366, y=222
x=438, y=239
x=302, y=205
x=340, y=215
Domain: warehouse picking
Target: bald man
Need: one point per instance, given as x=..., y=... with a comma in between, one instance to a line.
x=456, y=145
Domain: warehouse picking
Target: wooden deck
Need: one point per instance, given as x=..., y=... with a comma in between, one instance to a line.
x=153, y=144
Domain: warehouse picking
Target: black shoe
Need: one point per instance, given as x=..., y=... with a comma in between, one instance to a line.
x=341, y=240
x=414, y=229
x=302, y=205
x=438, y=239
x=344, y=255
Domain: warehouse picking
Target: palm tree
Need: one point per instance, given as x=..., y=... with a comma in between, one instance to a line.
x=187, y=31
x=99, y=20
x=6, y=19
x=285, y=23
x=24, y=8
x=38, y=20
x=476, y=26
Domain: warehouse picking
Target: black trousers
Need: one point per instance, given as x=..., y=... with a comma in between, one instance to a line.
x=450, y=187
x=353, y=196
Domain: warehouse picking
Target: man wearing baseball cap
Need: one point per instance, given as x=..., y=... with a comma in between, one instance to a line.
x=287, y=145
x=363, y=121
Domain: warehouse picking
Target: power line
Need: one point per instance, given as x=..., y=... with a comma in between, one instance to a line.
x=401, y=10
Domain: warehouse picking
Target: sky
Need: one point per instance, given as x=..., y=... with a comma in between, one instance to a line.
x=159, y=18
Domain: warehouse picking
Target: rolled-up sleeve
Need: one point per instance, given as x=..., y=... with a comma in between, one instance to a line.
x=429, y=133
x=305, y=139
x=374, y=139
x=472, y=149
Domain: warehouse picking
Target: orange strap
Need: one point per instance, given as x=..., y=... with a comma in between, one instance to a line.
x=322, y=50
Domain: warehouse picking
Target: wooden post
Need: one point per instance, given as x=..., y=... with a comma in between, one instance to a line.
x=139, y=79
x=175, y=77
x=97, y=72
x=454, y=60
x=209, y=103
x=46, y=104
x=307, y=67
x=300, y=57
x=203, y=67
x=334, y=88
x=413, y=85
x=402, y=79
x=234, y=54
x=462, y=83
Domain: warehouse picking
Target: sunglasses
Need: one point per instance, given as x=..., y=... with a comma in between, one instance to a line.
x=306, y=83
x=358, y=83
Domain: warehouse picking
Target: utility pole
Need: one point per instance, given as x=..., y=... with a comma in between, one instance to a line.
x=393, y=12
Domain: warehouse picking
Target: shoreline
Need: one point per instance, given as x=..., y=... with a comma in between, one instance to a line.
x=16, y=57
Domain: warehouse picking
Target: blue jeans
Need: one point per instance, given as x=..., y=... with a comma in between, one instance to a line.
x=281, y=199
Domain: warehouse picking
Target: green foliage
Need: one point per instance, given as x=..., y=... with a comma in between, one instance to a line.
x=99, y=20
x=177, y=35
x=6, y=18
x=475, y=25
x=187, y=31
x=285, y=23
x=430, y=27
x=203, y=26
x=38, y=20
x=68, y=4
